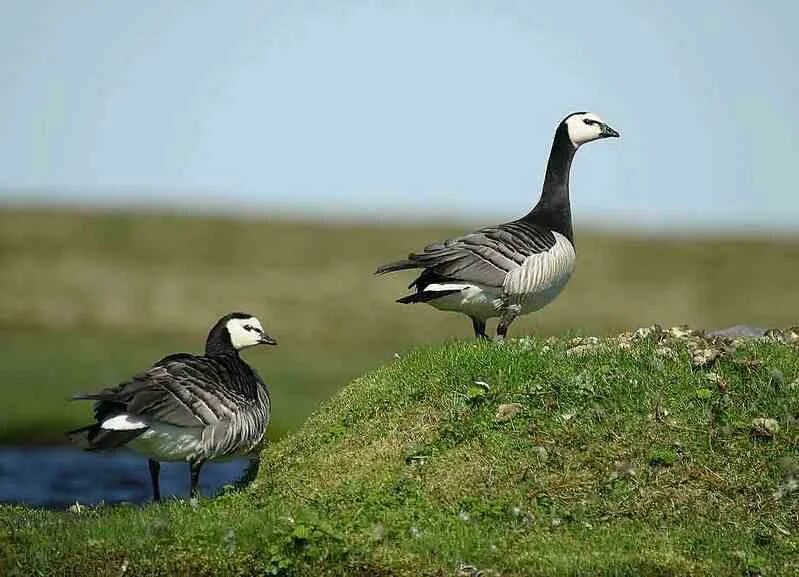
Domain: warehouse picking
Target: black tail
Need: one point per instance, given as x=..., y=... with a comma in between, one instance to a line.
x=398, y=265
x=95, y=438
x=424, y=296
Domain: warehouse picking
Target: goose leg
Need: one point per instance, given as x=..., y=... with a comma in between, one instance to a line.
x=195, y=467
x=508, y=316
x=155, y=469
x=479, y=328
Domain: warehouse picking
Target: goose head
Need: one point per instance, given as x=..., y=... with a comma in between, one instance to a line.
x=246, y=331
x=237, y=331
x=582, y=127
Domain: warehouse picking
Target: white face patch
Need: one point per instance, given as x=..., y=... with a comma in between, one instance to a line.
x=581, y=131
x=244, y=332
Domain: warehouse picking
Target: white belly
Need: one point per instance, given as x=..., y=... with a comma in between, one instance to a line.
x=163, y=442
x=478, y=301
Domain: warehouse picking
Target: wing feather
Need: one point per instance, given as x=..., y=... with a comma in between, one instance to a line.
x=181, y=390
x=486, y=256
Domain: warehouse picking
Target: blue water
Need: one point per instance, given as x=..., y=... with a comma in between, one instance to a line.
x=56, y=477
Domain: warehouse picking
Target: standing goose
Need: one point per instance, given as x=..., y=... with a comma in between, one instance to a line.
x=513, y=268
x=187, y=407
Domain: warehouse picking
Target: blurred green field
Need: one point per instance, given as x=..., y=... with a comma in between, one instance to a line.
x=88, y=298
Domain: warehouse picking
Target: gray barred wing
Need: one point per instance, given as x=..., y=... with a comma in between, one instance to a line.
x=486, y=256
x=181, y=390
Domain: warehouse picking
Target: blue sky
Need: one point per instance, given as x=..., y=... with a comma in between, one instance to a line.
x=412, y=110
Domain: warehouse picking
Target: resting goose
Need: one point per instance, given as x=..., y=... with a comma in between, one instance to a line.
x=513, y=268
x=187, y=407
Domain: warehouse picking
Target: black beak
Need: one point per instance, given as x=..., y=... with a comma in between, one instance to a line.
x=266, y=340
x=607, y=131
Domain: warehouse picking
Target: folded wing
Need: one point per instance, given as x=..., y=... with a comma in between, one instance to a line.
x=180, y=390
x=485, y=257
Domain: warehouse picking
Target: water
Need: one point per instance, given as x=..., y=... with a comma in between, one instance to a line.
x=56, y=477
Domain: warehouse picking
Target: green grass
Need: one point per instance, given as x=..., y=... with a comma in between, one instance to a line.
x=86, y=299
x=623, y=458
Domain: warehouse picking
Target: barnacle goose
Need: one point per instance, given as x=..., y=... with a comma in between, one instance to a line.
x=187, y=407
x=513, y=268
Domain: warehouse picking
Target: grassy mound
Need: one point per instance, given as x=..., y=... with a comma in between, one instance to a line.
x=659, y=453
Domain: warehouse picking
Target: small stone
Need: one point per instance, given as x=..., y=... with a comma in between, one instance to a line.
x=378, y=532
x=624, y=344
x=788, y=485
x=764, y=428
x=705, y=357
x=623, y=470
x=463, y=516
x=681, y=332
x=646, y=332
x=665, y=352
x=566, y=417
x=582, y=350
x=577, y=341
x=507, y=412
x=541, y=453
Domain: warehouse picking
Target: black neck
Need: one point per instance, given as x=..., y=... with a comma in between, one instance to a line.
x=553, y=209
x=218, y=342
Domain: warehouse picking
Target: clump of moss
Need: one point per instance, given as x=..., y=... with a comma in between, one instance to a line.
x=662, y=457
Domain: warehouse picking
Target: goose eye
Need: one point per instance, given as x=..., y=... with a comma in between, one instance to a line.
x=248, y=327
x=586, y=121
